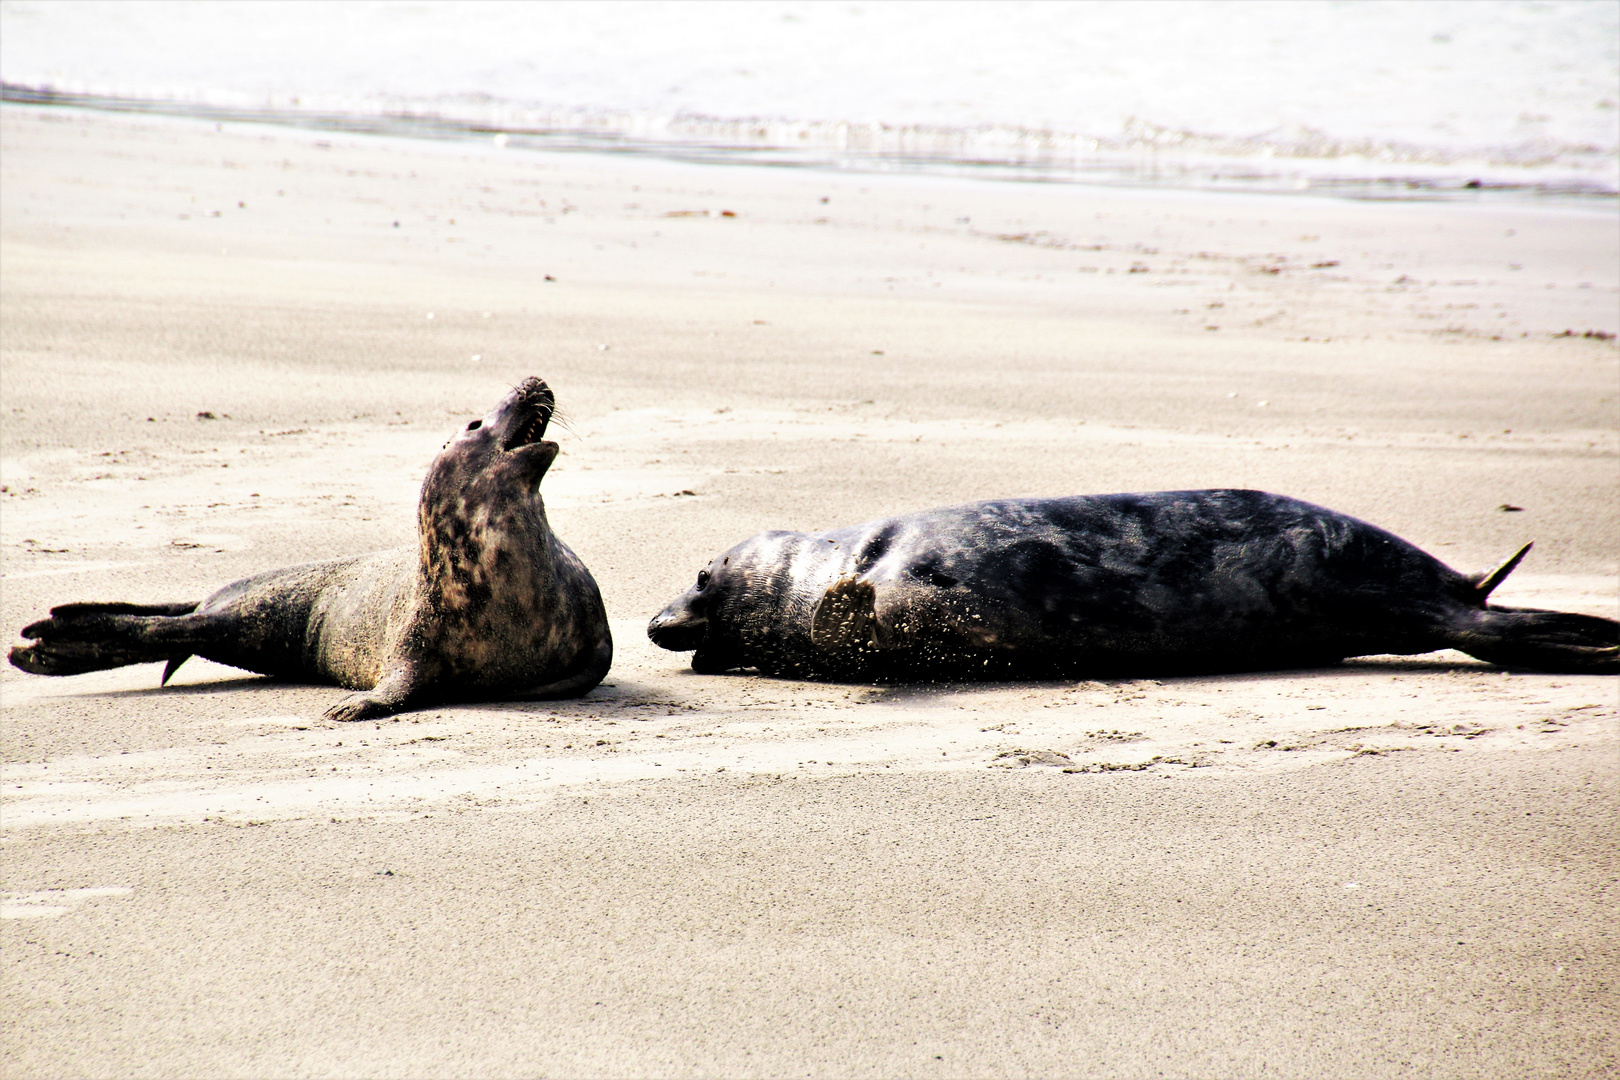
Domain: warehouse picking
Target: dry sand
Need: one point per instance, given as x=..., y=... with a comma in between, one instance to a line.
x=1399, y=866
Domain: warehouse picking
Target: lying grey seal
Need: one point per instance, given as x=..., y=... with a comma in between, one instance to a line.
x=1138, y=584
x=488, y=604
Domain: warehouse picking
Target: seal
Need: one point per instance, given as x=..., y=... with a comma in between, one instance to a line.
x=1157, y=583
x=488, y=603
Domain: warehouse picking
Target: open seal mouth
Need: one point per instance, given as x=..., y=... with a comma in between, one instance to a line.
x=534, y=398
x=506, y=445
x=532, y=431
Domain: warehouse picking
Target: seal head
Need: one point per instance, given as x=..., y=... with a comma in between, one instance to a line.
x=753, y=605
x=685, y=626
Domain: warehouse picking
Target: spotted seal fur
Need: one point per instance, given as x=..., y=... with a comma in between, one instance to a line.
x=488, y=603
x=1131, y=584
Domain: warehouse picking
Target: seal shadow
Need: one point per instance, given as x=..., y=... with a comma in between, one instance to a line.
x=624, y=693
x=243, y=683
x=902, y=691
x=617, y=694
x=620, y=694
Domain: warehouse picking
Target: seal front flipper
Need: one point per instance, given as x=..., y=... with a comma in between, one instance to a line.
x=846, y=618
x=393, y=693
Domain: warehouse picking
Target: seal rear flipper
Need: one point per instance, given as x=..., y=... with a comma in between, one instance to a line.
x=1485, y=584
x=79, y=638
x=76, y=657
x=1536, y=640
x=76, y=610
x=171, y=667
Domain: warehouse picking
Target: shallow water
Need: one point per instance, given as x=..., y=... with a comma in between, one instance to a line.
x=1376, y=99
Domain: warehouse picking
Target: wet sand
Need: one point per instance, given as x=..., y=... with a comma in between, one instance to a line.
x=1398, y=866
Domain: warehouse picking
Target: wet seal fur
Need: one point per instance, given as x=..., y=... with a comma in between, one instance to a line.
x=1172, y=582
x=488, y=604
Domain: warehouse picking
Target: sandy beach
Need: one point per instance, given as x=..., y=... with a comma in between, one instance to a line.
x=227, y=348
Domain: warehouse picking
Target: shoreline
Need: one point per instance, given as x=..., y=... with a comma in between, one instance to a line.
x=701, y=140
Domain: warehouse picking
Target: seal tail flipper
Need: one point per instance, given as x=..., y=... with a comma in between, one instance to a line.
x=1536, y=640
x=1485, y=584
x=94, y=637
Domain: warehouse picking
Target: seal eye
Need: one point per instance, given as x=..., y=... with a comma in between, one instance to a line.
x=475, y=425
x=703, y=578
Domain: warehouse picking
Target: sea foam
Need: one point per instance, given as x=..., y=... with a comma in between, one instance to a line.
x=1375, y=98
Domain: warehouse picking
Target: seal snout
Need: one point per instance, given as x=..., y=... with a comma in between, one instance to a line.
x=678, y=627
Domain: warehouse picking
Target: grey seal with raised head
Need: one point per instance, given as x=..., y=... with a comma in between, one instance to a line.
x=488, y=604
x=1156, y=583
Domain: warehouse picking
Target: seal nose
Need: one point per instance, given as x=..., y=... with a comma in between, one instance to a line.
x=678, y=627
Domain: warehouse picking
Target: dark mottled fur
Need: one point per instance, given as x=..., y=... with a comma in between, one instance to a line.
x=489, y=604
x=1136, y=584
